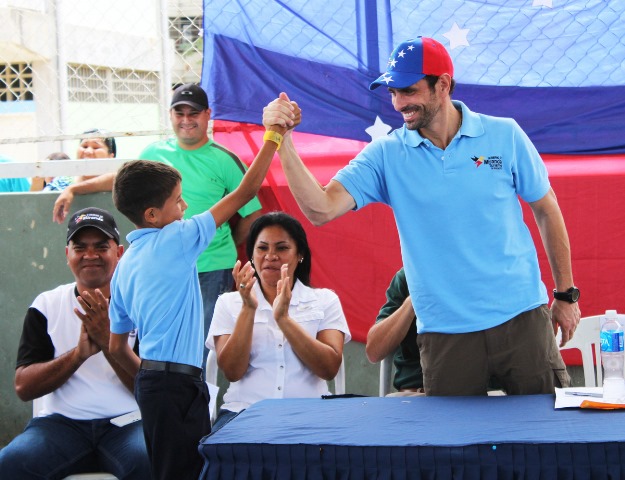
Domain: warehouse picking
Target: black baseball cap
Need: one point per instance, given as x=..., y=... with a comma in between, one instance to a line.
x=93, y=217
x=190, y=94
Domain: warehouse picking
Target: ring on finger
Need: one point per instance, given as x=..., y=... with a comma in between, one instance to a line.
x=242, y=286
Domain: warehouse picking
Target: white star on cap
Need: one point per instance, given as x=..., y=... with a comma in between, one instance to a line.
x=392, y=63
x=378, y=129
x=401, y=53
x=457, y=36
x=387, y=79
x=410, y=47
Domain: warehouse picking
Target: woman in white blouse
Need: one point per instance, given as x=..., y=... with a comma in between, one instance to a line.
x=276, y=337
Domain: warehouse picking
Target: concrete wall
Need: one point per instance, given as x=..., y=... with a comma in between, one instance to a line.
x=32, y=260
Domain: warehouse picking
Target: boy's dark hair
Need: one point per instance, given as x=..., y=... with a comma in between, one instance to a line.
x=143, y=184
x=295, y=230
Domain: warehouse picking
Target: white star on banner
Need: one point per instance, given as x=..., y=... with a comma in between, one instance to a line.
x=378, y=129
x=543, y=3
x=457, y=36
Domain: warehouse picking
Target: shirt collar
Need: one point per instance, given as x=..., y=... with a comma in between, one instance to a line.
x=139, y=232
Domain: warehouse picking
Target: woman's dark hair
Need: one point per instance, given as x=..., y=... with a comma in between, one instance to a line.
x=108, y=141
x=295, y=230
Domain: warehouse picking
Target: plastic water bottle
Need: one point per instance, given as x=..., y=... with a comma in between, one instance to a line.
x=612, y=357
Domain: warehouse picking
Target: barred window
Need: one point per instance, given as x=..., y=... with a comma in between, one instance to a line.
x=16, y=82
x=89, y=83
x=133, y=86
x=185, y=31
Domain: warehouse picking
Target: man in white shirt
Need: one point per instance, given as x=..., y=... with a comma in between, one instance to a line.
x=63, y=358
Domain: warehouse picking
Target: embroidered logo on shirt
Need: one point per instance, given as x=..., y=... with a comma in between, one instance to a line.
x=494, y=161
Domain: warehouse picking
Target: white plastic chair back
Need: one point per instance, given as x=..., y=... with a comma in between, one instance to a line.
x=211, y=382
x=339, y=380
x=211, y=367
x=386, y=378
x=586, y=335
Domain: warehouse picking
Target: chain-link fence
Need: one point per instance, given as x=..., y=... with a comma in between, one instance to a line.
x=67, y=66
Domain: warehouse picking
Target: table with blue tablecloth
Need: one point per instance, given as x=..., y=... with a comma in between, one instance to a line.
x=505, y=437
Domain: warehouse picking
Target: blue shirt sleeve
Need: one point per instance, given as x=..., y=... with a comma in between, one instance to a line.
x=530, y=174
x=364, y=177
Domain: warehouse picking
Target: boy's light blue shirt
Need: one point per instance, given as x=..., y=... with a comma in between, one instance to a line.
x=469, y=258
x=155, y=288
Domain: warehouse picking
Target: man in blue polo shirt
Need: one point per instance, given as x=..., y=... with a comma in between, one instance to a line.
x=453, y=178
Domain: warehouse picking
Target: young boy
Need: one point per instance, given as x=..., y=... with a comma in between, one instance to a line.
x=155, y=288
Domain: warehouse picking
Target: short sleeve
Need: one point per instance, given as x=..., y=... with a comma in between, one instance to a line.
x=120, y=322
x=223, y=321
x=35, y=343
x=364, y=177
x=334, y=317
x=529, y=170
x=396, y=294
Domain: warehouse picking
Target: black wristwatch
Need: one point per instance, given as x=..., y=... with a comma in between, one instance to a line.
x=571, y=295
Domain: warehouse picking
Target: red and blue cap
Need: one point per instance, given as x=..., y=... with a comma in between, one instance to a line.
x=412, y=60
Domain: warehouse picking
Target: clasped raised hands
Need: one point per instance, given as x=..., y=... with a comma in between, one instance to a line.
x=282, y=112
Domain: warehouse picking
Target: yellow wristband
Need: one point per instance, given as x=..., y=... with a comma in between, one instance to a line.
x=273, y=137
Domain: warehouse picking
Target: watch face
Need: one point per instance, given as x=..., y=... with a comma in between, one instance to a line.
x=574, y=294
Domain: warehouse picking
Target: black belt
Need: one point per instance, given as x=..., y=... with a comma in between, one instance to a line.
x=171, y=367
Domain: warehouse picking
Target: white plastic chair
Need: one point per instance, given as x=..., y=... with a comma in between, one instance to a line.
x=586, y=335
x=37, y=404
x=339, y=380
x=211, y=381
x=386, y=375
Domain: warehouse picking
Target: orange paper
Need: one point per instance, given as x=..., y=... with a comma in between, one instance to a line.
x=601, y=405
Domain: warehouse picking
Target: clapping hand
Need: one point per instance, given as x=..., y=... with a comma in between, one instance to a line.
x=245, y=280
x=283, y=297
x=95, y=320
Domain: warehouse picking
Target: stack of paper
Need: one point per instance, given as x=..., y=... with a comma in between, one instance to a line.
x=585, y=397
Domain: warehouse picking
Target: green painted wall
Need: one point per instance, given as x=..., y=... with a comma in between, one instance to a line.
x=33, y=260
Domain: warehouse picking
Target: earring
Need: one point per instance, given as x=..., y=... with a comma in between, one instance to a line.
x=301, y=260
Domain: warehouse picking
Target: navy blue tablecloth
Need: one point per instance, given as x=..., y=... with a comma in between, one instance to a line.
x=516, y=437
